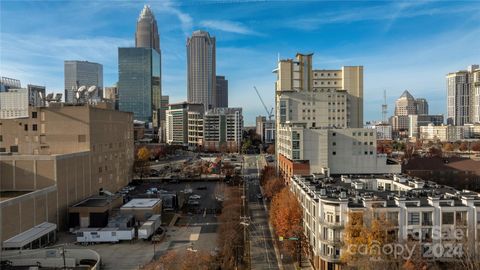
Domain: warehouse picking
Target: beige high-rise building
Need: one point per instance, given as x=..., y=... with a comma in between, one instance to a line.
x=58, y=156
x=319, y=120
x=201, y=71
x=463, y=97
x=319, y=97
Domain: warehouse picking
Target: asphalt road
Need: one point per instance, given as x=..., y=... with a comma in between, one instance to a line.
x=262, y=251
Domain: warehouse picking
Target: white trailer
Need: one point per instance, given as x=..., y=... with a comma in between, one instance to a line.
x=149, y=227
x=101, y=235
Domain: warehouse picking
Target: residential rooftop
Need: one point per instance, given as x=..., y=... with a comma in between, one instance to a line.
x=383, y=191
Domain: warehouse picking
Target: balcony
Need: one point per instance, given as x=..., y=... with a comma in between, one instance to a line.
x=336, y=241
x=333, y=225
x=330, y=258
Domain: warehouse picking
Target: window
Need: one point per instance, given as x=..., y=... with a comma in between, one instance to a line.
x=34, y=114
x=427, y=218
x=34, y=127
x=14, y=149
x=334, y=143
x=334, y=153
x=447, y=218
x=25, y=127
x=1, y=138
x=414, y=218
x=461, y=218
x=334, y=134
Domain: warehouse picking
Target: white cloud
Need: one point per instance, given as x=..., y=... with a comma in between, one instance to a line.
x=228, y=26
x=38, y=59
x=385, y=12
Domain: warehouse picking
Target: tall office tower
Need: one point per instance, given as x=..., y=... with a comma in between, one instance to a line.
x=146, y=35
x=476, y=96
x=163, y=124
x=139, y=72
x=78, y=73
x=164, y=107
x=422, y=106
x=201, y=71
x=462, y=98
x=405, y=105
x=222, y=92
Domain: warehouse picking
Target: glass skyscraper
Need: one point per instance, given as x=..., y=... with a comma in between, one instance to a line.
x=82, y=73
x=139, y=72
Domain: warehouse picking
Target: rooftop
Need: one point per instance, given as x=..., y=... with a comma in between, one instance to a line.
x=387, y=190
x=21, y=239
x=96, y=201
x=141, y=203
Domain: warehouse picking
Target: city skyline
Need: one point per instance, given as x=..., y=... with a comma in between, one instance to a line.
x=382, y=37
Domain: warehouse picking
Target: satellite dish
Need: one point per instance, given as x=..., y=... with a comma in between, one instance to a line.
x=77, y=95
x=82, y=88
x=40, y=94
x=50, y=96
x=92, y=89
x=58, y=97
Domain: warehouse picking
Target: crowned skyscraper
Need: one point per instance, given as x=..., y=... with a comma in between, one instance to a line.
x=146, y=35
x=139, y=72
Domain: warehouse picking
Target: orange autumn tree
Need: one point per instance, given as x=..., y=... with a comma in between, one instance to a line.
x=286, y=216
x=273, y=185
x=140, y=166
x=364, y=236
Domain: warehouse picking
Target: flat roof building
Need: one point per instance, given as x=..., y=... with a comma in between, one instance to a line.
x=61, y=154
x=142, y=209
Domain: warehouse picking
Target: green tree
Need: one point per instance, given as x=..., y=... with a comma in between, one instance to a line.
x=246, y=145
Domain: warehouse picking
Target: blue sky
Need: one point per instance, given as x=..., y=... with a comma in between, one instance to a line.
x=402, y=45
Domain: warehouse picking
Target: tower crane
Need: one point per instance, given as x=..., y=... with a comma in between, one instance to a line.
x=269, y=113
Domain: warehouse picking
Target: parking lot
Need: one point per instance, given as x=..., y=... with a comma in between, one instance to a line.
x=196, y=226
